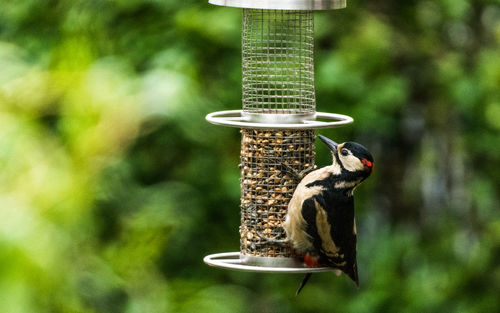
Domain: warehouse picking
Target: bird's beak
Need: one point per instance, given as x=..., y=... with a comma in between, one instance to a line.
x=329, y=143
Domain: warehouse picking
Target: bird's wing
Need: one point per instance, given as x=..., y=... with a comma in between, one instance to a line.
x=331, y=229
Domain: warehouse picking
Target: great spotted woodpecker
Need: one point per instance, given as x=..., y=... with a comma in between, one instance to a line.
x=320, y=221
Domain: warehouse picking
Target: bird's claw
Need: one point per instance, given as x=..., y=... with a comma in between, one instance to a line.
x=286, y=169
x=306, y=171
x=267, y=239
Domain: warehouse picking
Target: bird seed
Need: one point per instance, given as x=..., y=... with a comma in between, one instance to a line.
x=267, y=185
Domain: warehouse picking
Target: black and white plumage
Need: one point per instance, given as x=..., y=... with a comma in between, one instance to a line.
x=320, y=222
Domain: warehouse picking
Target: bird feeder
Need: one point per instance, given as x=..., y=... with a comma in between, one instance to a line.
x=277, y=122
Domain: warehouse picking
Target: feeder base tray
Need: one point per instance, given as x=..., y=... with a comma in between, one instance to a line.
x=236, y=261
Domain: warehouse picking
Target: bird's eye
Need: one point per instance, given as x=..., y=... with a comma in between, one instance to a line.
x=344, y=152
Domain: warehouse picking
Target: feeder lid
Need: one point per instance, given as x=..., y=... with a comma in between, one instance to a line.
x=283, y=4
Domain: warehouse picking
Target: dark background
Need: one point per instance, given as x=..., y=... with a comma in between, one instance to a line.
x=113, y=187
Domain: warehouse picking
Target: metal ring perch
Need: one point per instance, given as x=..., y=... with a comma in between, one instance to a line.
x=232, y=260
x=238, y=118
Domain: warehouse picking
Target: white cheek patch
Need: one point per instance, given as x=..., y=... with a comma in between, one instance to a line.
x=351, y=163
x=335, y=167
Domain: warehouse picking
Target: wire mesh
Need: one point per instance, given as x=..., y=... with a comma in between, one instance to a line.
x=266, y=188
x=278, y=69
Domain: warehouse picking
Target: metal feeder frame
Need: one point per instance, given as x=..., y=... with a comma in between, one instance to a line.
x=277, y=123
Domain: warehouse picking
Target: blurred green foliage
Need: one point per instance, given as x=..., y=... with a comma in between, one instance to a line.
x=113, y=187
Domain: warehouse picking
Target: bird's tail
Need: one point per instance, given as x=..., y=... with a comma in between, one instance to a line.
x=353, y=274
x=304, y=282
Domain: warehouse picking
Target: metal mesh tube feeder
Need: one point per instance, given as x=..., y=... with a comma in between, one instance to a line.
x=277, y=121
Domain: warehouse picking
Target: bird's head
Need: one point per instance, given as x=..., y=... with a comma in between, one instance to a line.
x=350, y=156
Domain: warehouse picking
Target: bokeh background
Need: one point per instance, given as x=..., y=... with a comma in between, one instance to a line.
x=113, y=187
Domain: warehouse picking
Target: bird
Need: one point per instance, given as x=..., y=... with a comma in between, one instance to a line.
x=320, y=223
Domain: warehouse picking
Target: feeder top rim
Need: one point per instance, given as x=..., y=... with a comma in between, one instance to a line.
x=241, y=119
x=308, y=5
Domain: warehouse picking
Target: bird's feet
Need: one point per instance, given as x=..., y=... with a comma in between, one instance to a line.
x=306, y=171
x=251, y=210
x=290, y=171
x=266, y=239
